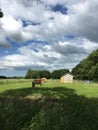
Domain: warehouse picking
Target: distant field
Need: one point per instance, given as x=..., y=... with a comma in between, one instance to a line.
x=79, y=87
x=52, y=106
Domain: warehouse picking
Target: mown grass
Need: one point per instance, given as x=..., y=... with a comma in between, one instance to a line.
x=54, y=106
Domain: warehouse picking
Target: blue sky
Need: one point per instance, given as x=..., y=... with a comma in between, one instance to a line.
x=59, y=8
x=51, y=35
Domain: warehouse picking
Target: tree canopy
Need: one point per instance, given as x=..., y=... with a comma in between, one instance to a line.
x=35, y=74
x=1, y=14
x=56, y=74
x=87, y=69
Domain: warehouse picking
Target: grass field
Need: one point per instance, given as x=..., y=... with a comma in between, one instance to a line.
x=54, y=106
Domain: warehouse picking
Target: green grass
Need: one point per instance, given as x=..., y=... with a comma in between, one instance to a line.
x=54, y=106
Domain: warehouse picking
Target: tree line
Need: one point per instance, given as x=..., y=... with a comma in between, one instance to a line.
x=35, y=74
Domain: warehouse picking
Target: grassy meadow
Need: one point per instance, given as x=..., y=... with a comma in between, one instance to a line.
x=52, y=106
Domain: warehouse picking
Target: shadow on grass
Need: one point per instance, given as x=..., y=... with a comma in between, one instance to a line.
x=58, y=108
x=57, y=91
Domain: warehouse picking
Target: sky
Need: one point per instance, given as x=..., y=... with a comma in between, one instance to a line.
x=49, y=35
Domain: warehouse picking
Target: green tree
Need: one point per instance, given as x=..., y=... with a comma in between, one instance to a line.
x=95, y=73
x=56, y=74
x=35, y=74
x=87, y=68
x=29, y=74
x=1, y=14
x=44, y=73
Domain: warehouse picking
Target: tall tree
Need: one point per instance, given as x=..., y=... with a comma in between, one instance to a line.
x=87, y=68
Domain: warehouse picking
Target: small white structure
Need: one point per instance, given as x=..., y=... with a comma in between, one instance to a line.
x=67, y=78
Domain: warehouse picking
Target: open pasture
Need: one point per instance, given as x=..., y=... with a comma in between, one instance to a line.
x=52, y=106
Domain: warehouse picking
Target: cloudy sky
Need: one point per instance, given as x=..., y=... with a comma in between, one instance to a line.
x=53, y=34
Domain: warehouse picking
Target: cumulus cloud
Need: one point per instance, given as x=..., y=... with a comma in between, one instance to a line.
x=86, y=17
x=75, y=22
x=50, y=56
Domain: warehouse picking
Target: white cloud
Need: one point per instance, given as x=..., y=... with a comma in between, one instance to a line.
x=85, y=17
x=75, y=22
x=51, y=56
